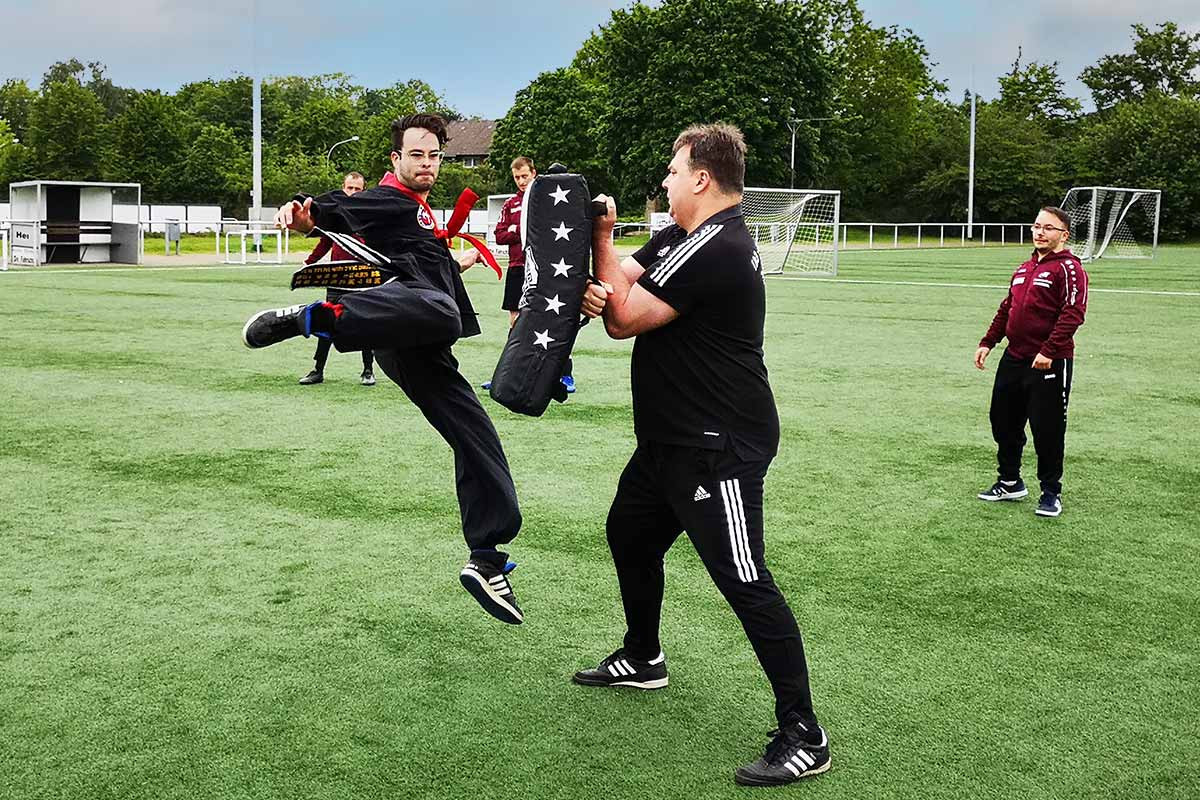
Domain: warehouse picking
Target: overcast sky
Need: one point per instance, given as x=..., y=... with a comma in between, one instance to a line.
x=478, y=54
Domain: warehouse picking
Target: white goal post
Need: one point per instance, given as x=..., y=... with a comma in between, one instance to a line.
x=796, y=230
x=1113, y=221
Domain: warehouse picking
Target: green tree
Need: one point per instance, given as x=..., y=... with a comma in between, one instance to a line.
x=882, y=74
x=1036, y=91
x=315, y=126
x=288, y=173
x=15, y=100
x=90, y=76
x=1165, y=61
x=741, y=61
x=557, y=117
x=67, y=133
x=145, y=145
x=14, y=160
x=215, y=168
x=1151, y=142
x=226, y=103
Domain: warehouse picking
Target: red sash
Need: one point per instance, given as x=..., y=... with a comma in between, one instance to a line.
x=462, y=209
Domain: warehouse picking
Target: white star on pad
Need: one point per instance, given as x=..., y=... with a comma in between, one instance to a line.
x=561, y=267
x=543, y=339
x=560, y=196
x=562, y=232
x=554, y=304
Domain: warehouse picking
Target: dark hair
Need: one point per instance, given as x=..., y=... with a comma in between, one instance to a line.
x=355, y=175
x=1063, y=217
x=718, y=148
x=523, y=161
x=434, y=123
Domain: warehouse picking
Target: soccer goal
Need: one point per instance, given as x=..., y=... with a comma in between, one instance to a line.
x=796, y=230
x=1113, y=222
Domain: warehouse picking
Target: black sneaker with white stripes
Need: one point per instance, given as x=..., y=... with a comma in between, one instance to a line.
x=620, y=669
x=276, y=325
x=796, y=751
x=489, y=584
x=1005, y=490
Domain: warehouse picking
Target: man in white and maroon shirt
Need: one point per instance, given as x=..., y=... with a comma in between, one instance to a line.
x=1046, y=303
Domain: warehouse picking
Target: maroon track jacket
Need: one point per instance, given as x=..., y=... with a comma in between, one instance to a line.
x=1046, y=302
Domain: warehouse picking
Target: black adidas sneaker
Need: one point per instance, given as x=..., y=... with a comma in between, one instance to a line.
x=620, y=669
x=489, y=585
x=796, y=751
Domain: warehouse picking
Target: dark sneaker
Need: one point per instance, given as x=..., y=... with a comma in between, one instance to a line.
x=620, y=669
x=368, y=378
x=316, y=376
x=569, y=382
x=1005, y=490
x=1049, y=506
x=790, y=756
x=489, y=584
x=276, y=325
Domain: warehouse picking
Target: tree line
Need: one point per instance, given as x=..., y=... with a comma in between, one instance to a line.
x=194, y=145
x=873, y=120
x=870, y=116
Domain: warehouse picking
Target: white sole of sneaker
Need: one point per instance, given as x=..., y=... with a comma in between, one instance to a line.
x=1041, y=513
x=493, y=603
x=747, y=780
x=991, y=498
x=657, y=683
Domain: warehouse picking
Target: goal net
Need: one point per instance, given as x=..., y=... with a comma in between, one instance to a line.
x=796, y=230
x=1113, y=222
x=494, y=203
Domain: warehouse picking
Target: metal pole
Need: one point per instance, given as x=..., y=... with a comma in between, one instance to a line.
x=256, y=198
x=329, y=155
x=792, y=124
x=971, y=168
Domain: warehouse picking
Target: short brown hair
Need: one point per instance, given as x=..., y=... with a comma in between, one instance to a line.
x=523, y=161
x=356, y=175
x=719, y=148
x=1063, y=216
x=434, y=123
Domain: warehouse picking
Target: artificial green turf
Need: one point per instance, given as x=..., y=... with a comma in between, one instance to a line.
x=220, y=584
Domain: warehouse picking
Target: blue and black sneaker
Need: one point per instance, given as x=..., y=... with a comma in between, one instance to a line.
x=569, y=383
x=276, y=325
x=489, y=585
x=1004, y=490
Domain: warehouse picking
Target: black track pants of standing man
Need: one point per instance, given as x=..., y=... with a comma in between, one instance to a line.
x=1022, y=393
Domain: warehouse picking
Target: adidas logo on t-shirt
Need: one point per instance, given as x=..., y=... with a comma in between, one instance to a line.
x=700, y=494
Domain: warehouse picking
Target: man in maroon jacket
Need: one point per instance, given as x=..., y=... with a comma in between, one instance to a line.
x=352, y=184
x=508, y=232
x=1046, y=303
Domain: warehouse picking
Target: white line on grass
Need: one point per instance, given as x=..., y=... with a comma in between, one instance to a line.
x=969, y=285
x=772, y=277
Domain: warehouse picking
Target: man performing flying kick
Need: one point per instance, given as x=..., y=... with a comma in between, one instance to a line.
x=410, y=322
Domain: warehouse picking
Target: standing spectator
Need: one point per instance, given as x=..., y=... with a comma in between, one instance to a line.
x=1046, y=303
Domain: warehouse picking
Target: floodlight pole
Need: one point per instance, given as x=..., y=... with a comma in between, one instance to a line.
x=971, y=168
x=256, y=198
x=329, y=155
x=793, y=124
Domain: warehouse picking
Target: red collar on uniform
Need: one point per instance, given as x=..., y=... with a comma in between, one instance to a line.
x=462, y=209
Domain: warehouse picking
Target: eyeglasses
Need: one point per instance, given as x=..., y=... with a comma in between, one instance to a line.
x=418, y=155
x=1037, y=226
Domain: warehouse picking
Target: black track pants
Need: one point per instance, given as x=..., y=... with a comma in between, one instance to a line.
x=1020, y=394
x=717, y=499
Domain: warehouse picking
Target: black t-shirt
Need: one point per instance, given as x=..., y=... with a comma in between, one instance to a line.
x=700, y=380
x=398, y=227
